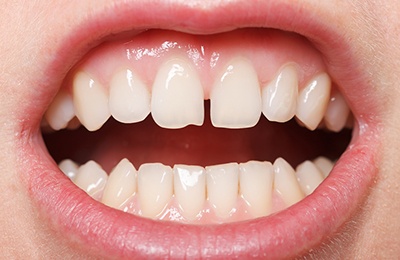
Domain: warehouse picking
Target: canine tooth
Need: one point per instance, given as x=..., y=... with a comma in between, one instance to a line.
x=190, y=189
x=155, y=188
x=129, y=97
x=121, y=184
x=309, y=177
x=336, y=113
x=236, y=98
x=177, y=95
x=256, y=181
x=91, y=178
x=69, y=168
x=285, y=182
x=324, y=165
x=222, y=187
x=313, y=101
x=61, y=111
x=90, y=101
x=279, y=97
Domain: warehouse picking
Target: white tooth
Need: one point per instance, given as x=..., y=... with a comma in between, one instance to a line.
x=177, y=95
x=236, y=98
x=190, y=189
x=91, y=178
x=222, y=187
x=313, y=101
x=69, y=168
x=256, y=181
x=324, y=165
x=309, y=177
x=285, y=182
x=336, y=113
x=155, y=188
x=280, y=96
x=121, y=184
x=129, y=97
x=90, y=101
x=61, y=111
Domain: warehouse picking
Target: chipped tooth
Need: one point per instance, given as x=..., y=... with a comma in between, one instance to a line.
x=121, y=184
x=69, y=168
x=285, y=182
x=309, y=177
x=90, y=101
x=279, y=97
x=222, y=187
x=190, y=189
x=91, y=178
x=256, y=181
x=177, y=95
x=61, y=111
x=324, y=165
x=129, y=97
x=155, y=188
x=313, y=101
x=337, y=112
x=236, y=98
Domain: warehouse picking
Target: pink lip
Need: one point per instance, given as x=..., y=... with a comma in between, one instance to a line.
x=290, y=233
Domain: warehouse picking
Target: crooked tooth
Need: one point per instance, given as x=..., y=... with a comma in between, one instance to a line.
x=91, y=178
x=69, y=168
x=313, y=100
x=121, y=184
x=256, y=181
x=155, y=188
x=177, y=95
x=90, y=101
x=279, y=97
x=61, y=111
x=236, y=98
x=324, y=165
x=129, y=97
x=285, y=182
x=222, y=187
x=190, y=189
x=309, y=177
x=337, y=112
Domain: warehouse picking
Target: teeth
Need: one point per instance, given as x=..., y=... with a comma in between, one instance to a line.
x=256, y=180
x=222, y=187
x=155, y=188
x=236, y=98
x=336, y=113
x=69, y=168
x=190, y=189
x=121, y=184
x=129, y=97
x=286, y=183
x=61, y=111
x=309, y=177
x=313, y=100
x=90, y=101
x=280, y=96
x=177, y=96
x=324, y=165
x=91, y=178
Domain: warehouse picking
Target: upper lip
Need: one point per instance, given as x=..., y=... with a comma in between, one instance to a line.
x=286, y=234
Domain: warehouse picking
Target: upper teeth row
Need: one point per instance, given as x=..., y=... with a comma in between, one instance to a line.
x=176, y=98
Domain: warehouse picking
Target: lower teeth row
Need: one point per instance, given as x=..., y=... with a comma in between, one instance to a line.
x=193, y=194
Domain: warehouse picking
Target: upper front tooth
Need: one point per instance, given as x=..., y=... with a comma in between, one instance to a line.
x=61, y=111
x=177, y=95
x=280, y=96
x=91, y=178
x=308, y=176
x=236, y=98
x=336, y=113
x=129, y=97
x=90, y=101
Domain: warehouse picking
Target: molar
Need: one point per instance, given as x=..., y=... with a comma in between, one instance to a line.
x=69, y=168
x=61, y=111
x=337, y=112
x=324, y=165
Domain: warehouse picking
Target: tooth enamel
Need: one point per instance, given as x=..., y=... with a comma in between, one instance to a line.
x=236, y=98
x=129, y=98
x=61, y=111
x=222, y=187
x=69, y=168
x=91, y=178
x=90, y=101
x=256, y=181
x=190, y=189
x=121, y=184
x=279, y=97
x=155, y=188
x=313, y=100
x=309, y=177
x=324, y=165
x=177, y=96
x=336, y=113
x=285, y=182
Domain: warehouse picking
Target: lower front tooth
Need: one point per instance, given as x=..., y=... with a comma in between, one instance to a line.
x=69, y=168
x=324, y=165
x=92, y=179
x=309, y=177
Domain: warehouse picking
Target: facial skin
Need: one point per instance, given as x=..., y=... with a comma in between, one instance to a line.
x=32, y=31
